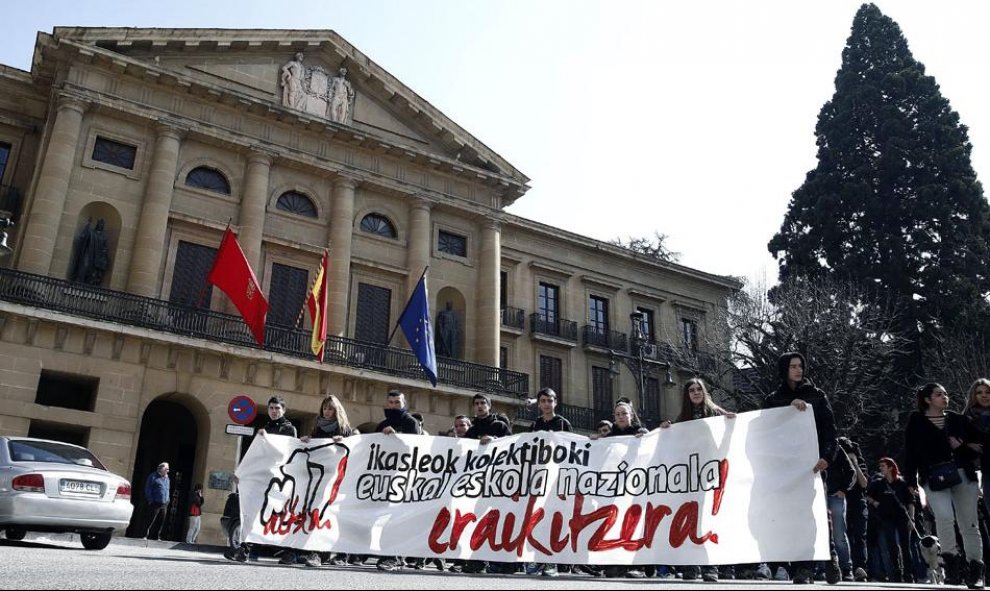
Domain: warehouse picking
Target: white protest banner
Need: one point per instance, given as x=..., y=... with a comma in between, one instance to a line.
x=712, y=491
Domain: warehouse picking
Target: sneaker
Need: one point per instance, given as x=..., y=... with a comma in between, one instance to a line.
x=635, y=573
x=763, y=572
x=550, y=570
x=781, y=574
x=534, y=568
x=832, y=572
x=848, y=577
x=804, y=576
x=389, y=565
x=709, y=576
x=860, y=575
x=236, y=554
x=288, y=557
x=312, y=560
x=974, y=574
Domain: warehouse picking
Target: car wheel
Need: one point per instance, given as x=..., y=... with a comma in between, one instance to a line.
x=95, y=541
x=15, y=533
x=234, y=537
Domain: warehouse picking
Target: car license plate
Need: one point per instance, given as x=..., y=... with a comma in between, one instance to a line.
x=81, y=487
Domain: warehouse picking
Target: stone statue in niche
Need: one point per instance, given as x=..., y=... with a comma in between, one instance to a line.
x=448, y=336
x=314, y=90
x=341, y=97
x=91, y=256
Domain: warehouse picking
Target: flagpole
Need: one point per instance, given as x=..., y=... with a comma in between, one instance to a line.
x=406, y=307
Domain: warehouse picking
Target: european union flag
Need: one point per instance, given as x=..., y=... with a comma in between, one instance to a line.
x=415, y=324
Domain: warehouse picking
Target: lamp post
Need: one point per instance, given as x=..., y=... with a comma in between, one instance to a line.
x=637, y=361
x=5, y=223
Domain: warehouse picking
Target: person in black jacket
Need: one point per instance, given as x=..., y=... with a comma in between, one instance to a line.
x=893, y=505
x=943, y=445
x=548, y=420
x=486, y=426
x=397, y=420
x=798, y=391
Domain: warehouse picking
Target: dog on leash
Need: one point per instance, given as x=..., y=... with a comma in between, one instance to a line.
x=931, y=553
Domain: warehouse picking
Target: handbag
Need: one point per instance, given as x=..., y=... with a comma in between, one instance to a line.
x=943, y=476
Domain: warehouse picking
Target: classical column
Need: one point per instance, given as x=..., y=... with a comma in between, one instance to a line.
x=341, y=232
x=487, y=294
x=253, y=205
x=149, y=241
x=38, y=240
x=418, y=247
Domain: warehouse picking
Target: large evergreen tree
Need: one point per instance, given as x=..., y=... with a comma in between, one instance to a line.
x=894, y=202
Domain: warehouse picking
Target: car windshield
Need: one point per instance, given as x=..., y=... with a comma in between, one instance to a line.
x=22, y=450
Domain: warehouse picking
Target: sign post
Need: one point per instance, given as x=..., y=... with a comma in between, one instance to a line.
x=242, y=410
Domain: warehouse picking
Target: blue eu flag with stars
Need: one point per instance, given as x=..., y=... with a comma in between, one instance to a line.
x=415, y=324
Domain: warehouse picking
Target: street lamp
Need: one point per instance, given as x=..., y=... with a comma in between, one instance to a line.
x=639, y=362
x=4, y=224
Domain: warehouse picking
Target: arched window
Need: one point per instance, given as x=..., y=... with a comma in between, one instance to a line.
x=208, y=178
x=375, y=223
x=297, y=203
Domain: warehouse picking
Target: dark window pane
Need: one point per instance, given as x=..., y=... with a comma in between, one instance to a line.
x=67, y=390
x=4, y=157
x=503, y=289
x=189, y=285
x=287, y=294
x=208, y=178
x=689, y=332
x=372, y=322
x=452, y=244
x=647, y=324
x=297, y=203
x=651, y=401
x=551, y=375
x=114, y=153
x=374, y=223
x=503, y=357
x=548, y=302
x=601, y=388
x=598, y=314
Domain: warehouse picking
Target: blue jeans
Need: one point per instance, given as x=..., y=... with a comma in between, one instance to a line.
x=856, y=521
x=837, y=510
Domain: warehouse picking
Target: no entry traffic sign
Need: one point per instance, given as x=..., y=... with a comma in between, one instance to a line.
x=242, y=410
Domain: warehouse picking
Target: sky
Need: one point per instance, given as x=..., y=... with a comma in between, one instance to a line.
x=692, y=119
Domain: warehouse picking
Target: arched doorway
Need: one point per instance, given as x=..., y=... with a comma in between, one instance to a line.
x=168, y=434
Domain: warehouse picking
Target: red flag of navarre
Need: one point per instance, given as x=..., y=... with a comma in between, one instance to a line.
x=232, y=273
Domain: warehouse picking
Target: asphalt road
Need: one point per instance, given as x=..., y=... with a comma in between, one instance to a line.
x=60, y=562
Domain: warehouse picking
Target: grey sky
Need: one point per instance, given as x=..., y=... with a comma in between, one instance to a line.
x=692, y=118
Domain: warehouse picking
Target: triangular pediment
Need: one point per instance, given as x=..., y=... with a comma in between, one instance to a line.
x=263, y=64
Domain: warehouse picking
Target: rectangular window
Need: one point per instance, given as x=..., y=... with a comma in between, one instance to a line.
x=451, y=243
x=374, y=307
x=551, y=375
x=601, y=392
x=67, y=390
x=548, y=302
x=286, y=294
x=598, y=314
x=4, y=157
x=189, y=285
x=651, y=403
x=689, y=334
x=503, y=290
x=647, y=324
x=503, y=357
x=114, y=153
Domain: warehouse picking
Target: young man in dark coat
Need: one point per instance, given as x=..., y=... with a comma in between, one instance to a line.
x=798, y=391
x=548, y=420
x=397, y=420
x=486, y=427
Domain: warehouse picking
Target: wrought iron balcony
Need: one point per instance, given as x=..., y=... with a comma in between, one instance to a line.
x=557, y=327
x=580, y=417
x=124, y=308
x=513, y=317
x=593, y=336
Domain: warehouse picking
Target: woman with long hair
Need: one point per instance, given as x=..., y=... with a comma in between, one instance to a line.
x=331, y=421
x=978, y=412
x=940, y=451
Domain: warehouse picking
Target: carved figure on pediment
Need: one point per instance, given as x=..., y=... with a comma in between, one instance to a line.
x=293, y=75
x=341, y=97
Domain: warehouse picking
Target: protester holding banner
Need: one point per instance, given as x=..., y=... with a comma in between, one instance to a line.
x=397, y=420
x=697, y=403
x=942, y=449
x=548, y=420
x=626, y=423
x=798, y=391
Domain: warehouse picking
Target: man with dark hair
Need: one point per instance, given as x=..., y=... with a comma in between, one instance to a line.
x=397, y=420
x=548, y=420
x=798, y=391
x=486, y=426
x=461, y=426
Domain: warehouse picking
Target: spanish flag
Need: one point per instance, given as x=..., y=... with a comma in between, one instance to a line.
x=316, y=302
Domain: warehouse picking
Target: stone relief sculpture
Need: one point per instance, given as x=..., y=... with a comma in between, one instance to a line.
x=312, y=89
x=341, y=97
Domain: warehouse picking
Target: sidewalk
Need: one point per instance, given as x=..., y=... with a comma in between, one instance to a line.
x=124, y=541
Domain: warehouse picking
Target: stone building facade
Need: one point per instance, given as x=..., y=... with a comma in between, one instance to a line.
x=125, y=153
